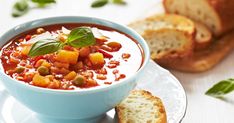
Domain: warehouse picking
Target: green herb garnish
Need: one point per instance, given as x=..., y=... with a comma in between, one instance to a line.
x=221, y=88
x=101, y=3
x=21, y=7
x=81, y=37
x=44, y=47
x=78, y=37
x=119, y=1
x=42, y=3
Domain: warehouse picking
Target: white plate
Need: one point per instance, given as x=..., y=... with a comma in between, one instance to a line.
x=157, y=80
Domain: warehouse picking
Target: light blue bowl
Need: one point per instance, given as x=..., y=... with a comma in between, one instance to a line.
x=83, y=105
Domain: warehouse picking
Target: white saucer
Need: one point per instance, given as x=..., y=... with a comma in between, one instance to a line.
x=157, y=80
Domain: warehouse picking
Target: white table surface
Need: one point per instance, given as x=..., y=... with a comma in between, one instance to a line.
x=201, y=108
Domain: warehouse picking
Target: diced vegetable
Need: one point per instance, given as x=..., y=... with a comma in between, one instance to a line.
x=41, y=81
x=19, y=69
x=91, y=82
x=79, y=65
x=114, y=45
x=70, y=76
x=51, y=77
x=67, y=56
x=25, y=50
x=101, y=77
x=46, y=64
x=28, y=37
x=54, y=84
x=42, y=70
x=39, y=62
x=61, y=65
x=84, y=52
x=96, y=58
x=79, y=80
x=105, y=54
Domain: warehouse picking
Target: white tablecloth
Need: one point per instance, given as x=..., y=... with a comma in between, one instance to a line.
x=201, y=108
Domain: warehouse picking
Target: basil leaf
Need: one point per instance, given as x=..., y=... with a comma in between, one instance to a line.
x=81, y=37
x=43, y=47
x=99, y=3
x=221, y=88
x=43, y=1
x=119, y=1
x=20, y=8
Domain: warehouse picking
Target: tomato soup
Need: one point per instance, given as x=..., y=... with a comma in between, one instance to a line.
x=71, y=56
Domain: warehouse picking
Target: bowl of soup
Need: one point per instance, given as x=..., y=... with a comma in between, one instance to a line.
x=71, y=67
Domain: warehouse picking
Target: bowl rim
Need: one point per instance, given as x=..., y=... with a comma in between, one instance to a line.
x=105, y=22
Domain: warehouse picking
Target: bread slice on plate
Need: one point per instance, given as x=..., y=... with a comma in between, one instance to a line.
x=204, y=59
x=141, y=107
x=168, y=35
x=216, y=14
x=203, y=36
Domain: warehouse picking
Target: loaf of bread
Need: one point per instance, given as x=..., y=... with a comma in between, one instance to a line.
x=168, y=35
x=216, y=14
x=204, y=59
x=141, y=107
x=203, y=36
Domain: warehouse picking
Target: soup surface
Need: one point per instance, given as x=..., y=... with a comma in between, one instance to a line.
x=71, y=56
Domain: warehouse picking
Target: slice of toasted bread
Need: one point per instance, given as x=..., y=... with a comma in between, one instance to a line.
x=204, y=59
x=168, y=43
x=141, y=107
x=203, y=36
x=168, y=35
x=163, y=21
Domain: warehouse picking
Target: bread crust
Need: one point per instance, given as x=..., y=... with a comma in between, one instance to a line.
x=203, y=60
x=162, y=118
x=205, y=41
x=225, y=12
x=178, y=24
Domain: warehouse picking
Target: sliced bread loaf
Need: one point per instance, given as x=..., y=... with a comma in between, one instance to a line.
x=169, y=21
x=168, y=43
x=204, y=59
x=168, y=35
x=216, y=14
x=203, y=36
x=141, y=107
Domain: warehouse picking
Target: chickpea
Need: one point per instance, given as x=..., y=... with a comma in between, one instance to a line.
x=43, y=70
x=40, y=30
